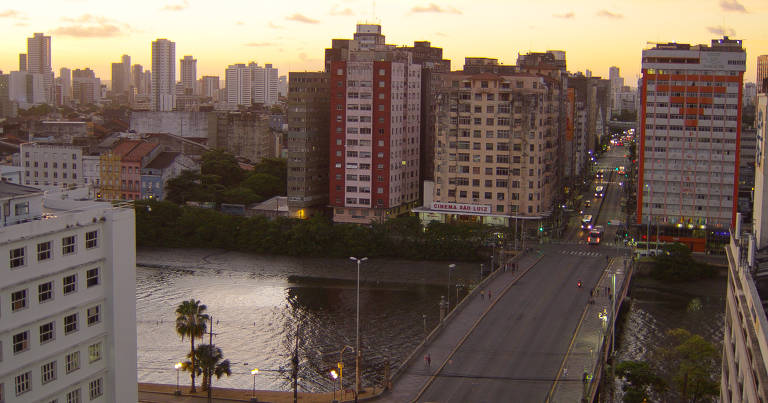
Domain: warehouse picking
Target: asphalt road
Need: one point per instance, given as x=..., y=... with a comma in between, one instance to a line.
x=515, y=352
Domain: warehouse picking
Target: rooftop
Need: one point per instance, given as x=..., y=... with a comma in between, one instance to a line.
x=10, y=190
x=163, y=160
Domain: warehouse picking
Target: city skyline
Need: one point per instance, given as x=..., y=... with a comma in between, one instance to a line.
x=594, y=36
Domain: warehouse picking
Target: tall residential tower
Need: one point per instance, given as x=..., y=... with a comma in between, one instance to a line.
x=163, y=75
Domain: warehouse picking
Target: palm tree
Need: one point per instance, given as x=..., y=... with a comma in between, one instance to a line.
x=209, y=361
x=191, y=322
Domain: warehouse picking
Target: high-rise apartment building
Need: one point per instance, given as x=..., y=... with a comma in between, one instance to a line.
x=238, y=85
x=762, y=73
x=86, y=88
x=22, y=62
x=690, y=128
x=139, y=81
x=375, y=127
x=68, y=291
x=760, y=207
x=210, y=87
x=163, y=75
x=308, y=114
x=39, y=61
x=65, y=77
x=264, y=84
x=188, y=69
x=121, y=77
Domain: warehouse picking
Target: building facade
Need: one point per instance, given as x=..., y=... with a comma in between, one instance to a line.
x=375, y=128
x=308, y=114
x=68, y=291
x=188, y=70
x=51, y=165
x=264, y=84
x=760, y=208
x=762, y=72
x=690, y=128
x=163, y=75
x=238, y=85
x=164, y=166
x=39, y=61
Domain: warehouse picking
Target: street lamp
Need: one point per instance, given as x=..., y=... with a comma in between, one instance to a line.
x=357, y=327
x=254, y=372
x=178, y=367
x=450, y=269
x=334, y=375
x=341, y=371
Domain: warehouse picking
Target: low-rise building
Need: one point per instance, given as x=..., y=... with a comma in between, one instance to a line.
x=51, y=165
x=165, y=166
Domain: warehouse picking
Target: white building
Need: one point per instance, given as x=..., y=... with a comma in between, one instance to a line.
x=188, y=70
x=51, y=165
x=91, y=167
x=27, y=89
x=68, y=301
x=760, y=225
x=163, y=75
x=264, y=83
x=65, y=78
x=238, y=85
x=39, y=61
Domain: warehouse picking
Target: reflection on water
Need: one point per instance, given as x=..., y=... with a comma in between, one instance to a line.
x=256, y=306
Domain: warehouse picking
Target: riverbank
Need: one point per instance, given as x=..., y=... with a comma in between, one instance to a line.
x=163, y=393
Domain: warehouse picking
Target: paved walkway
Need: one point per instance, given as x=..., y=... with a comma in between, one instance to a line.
x=584, y=353
x=158, y=393
x=412, y=377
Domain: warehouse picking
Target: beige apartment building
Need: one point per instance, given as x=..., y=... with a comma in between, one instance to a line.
x=496, y=148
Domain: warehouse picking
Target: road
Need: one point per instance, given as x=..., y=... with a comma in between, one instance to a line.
x=516, y=351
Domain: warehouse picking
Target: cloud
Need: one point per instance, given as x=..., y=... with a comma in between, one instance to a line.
x=608, y=14
x=239, y=23
x=721, y=30
x=440, y=34
x=256, y=44
x=13, y=14
x=176, y=7
x=301, y=18
x=91, y=26
x=567, y=16
x=275, y=26
x=434, y=8
x=732, y=5
x=335, y=10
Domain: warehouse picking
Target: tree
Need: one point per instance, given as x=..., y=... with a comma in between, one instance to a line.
x=677, y=264
x=640, y=381
x=265, y=185
x=208, y=359
x=191, y=322
x=223, y=164
x=694, y=364
x=183, y=187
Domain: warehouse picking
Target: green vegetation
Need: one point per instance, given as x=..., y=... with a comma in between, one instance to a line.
x=167, y=224
x=191, y=322
x=687, y=370
x=221, y=180
x=209, y=361
x=676, y=264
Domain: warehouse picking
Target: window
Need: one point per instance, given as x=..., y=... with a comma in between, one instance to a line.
x=68, y=245
x=70, y=323
x=45, y=292
x=95, y=388
x=73, y=361
x=18, y=300
x=74, y=396
x=48, y=372
x=21, y=342
x=17, y=257
x=47, y=332
x=43, y=251
x=92, y=277
x=91, y=239
x=23, y=383
x=94, y=352
x=93, y=315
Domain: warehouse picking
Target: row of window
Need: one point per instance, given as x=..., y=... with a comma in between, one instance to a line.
x=650, y=126
x=47, y=331
x=55, y=175
x=54, y=165
x=23, y=384
x=45, y=290
x=18, y=256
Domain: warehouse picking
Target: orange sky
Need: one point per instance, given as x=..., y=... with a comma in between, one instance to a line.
x=293, y=34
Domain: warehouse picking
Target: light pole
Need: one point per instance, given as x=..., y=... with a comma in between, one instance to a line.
x=334, y=375
x=254, y=372
x=648, y=228
x=357, y=327
x=178, y=368
x=424, y=318
x=450, y=269
x=341, y=371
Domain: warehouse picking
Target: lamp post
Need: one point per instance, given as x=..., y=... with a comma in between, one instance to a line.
x=334, y=375
x=178, y=368
x=450, y=269
x=254, y=372
x=424, y=318
x=341, y=370
x=648, y=228
x=357, y=327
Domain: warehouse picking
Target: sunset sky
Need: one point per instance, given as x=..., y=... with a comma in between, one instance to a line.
x=292, y=34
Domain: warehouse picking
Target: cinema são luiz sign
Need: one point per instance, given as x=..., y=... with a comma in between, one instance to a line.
x=462, y=208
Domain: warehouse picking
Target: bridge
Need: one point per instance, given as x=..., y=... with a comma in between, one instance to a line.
x=615, y=124
x=529, y=333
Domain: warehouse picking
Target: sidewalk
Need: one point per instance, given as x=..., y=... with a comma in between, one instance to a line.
x=585, y=354
x=413, y=377
x=159, y=393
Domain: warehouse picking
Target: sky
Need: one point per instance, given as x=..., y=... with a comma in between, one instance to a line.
x=292, y=35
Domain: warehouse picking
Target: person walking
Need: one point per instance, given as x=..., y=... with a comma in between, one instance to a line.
x=427, y=361
x=489, y=295
x=482, y=294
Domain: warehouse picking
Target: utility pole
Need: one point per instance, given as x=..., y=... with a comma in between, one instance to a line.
x=295, y=361
x=210, y=347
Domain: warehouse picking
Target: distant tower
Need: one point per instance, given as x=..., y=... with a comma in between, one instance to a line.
x=22, y=62
x=39, y=61
x=65, y=76
x=163, y=75
x=188, y=70
x=238, y=84
x=762, y=72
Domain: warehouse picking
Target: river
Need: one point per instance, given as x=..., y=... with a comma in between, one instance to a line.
x=257, y=301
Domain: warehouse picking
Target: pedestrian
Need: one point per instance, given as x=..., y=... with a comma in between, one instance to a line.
x=489, y=294
x=482, y=294
x=565, y=372
x=426, y=361
x=429, y=360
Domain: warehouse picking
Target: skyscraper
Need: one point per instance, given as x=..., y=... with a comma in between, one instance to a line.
x=210, y=87
x=762, y=72
x=39, y=61
x=65, y=75
x=188, y=70
x=375, y=123
x=238, y=85
x=22, y=62
x=121, y=77
x=264, y=84
x=163, y=75
x=690, y=131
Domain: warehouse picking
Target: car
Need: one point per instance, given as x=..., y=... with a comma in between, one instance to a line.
x=599, y=191
x=588, y=203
